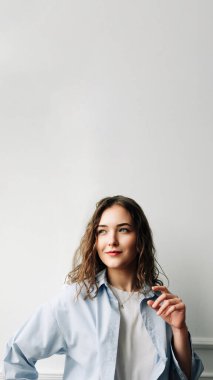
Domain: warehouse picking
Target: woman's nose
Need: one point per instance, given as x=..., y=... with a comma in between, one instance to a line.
x=112, y=239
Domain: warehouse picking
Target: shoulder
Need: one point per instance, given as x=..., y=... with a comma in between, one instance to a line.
x=66, y=296
x=70, y=307
x=73, y=296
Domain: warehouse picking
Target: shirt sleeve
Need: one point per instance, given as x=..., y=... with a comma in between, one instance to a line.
x=197, y=366
x=39, y=338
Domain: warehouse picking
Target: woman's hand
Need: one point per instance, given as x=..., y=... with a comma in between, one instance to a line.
x=169, y=307
x=172, y=309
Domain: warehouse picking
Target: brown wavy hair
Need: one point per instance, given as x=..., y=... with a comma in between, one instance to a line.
x=87, y=263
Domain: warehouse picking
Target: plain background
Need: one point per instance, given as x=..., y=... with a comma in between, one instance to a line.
x=101, y=98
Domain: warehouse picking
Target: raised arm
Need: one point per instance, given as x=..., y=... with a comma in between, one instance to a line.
x=173, y=311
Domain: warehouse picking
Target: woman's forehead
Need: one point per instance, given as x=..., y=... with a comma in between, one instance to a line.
x=115, y=213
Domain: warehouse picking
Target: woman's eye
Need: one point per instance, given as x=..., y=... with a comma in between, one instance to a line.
x=124, y=229
x=101, y=232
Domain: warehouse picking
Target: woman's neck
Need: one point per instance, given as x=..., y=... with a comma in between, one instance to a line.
x=121, y=279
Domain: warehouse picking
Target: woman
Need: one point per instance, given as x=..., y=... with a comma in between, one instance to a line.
x=114, y=319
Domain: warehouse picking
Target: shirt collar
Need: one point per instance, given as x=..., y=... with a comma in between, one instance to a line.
x=101, y=280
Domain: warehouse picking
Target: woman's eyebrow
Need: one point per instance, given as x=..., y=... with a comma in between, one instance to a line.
x=118, y=225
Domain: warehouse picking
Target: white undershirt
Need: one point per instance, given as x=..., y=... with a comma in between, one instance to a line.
x=136, y=351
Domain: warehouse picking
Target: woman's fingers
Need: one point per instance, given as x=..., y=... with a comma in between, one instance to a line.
x=162, y=298
x=172, y=305
x=177, y=307
x=169, y=307
x=165, y=302
x=160, y=288
x=150, y=302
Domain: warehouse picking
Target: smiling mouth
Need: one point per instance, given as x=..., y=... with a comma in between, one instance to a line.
x=113, y=253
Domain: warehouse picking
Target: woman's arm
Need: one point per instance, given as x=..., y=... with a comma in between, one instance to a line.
x=38, y=338
x=182, y=349
x=173, y=311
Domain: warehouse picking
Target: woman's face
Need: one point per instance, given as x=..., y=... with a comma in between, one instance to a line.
x=116, y=239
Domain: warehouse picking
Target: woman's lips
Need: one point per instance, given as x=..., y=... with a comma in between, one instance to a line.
x=113, y=253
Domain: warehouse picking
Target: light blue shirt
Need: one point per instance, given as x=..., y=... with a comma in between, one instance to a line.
x=87, y=331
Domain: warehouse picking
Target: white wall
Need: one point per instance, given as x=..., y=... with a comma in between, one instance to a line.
x=102, y=98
